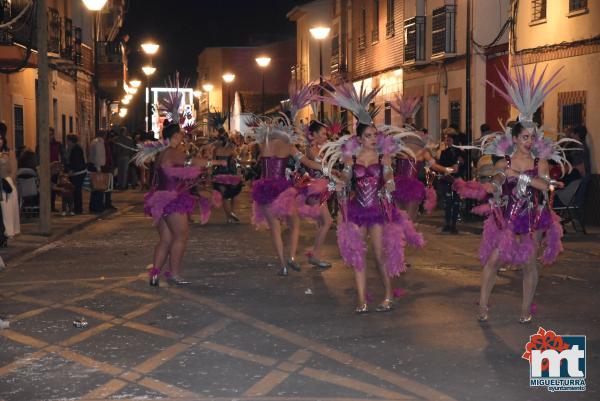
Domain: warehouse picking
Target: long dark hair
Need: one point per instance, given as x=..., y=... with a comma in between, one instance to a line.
x=516, y=129
x=4, y=147
x=361, y=128
x=170, y=130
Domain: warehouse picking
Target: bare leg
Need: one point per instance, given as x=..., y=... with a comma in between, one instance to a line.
x=293, y=222
x=178, y=224
x=226, y=208
x=530, y=280
x=376, y=233
x=275, y=228
x=488, y=280
x=324, y=224
x=412, y=209
x=161, y=250
x=361, y=279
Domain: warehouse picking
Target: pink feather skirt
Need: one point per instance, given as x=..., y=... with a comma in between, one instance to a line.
x=163, y=203
x=276, y=194
x=517, y=246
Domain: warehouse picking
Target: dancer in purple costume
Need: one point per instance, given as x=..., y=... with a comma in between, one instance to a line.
x=274, y=196
x=369, y=209
x=170, y=202
x=315, y=193
x=520, y=220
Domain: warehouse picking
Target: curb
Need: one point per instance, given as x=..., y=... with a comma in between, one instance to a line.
x=27, y=253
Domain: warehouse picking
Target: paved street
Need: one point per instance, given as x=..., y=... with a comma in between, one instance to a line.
x=242, y=333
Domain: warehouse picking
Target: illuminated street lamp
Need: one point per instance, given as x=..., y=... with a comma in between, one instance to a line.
x=94, y=5
x=136, y=83
x=122, y=112
x=125, y=100
x=148, y=71
x=263, y=62
x=228, y=78
x=197, y=94
x=320, y=33
x=150, y=48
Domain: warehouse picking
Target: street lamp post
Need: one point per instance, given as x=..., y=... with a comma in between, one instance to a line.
x=228, y=78
x=263, y=62
x=95, y=6
x=320, y=33
x=150, y=48
x=148, y=71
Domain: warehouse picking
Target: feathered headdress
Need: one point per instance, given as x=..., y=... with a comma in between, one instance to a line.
x=335, y=126
x=345, y=96
x=299, y=99
x=406, y=106
x=216, y=119
x=171, y=105
x=526, y=93
x=388, y=143
x=148, y=150
x=271, y=128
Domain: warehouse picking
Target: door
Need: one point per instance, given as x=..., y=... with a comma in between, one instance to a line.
x=19, y=126
x=433, y=117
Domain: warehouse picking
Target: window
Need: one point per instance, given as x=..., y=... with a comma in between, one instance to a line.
x=70, y=124
x=375, y=32
x=414, y=39
x=572, y=109
x=53, y=31
x=19, y=126
x=387, y=113
x=455, y=113
x=389, y=26
x=67, y=51
x=443, y=30
x=538, y=10
x=77, y=46
x=362, y=42
x=577, y=5
x=64, y=128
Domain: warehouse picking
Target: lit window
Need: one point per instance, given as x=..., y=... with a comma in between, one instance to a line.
x=576, y=5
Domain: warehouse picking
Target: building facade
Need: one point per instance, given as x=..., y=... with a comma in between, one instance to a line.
x=214, y=62
x=72, y=69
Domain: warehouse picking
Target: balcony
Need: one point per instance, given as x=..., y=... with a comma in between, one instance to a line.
x=110, y=72
x=414, y=35
x=443, y=32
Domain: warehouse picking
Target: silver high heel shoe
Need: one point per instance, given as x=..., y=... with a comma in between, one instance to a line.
x=362, y=309
x=386, y=306
x=177, y=280
x=482, y=316
x=283, y=271
x=291, y=263
x=320, y=264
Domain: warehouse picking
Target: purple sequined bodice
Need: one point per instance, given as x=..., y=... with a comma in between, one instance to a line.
x=407, y=168
x=170, y=178
x=523, y=213
x=366, y=184
x=273, y=167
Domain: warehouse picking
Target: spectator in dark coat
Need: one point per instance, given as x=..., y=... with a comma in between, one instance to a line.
x=76, y=167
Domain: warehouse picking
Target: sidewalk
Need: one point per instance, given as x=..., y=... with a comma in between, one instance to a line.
x=30, y=238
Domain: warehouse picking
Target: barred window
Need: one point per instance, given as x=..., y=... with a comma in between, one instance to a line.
x=576, y=5
x=538, y=10
x=389, y=25
x=362, y=37
x=375, y=32
x=387, y=115
x=572, y=109
x=455, y=113
x=414, y=39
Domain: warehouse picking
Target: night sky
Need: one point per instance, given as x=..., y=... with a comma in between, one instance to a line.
x=184, y=27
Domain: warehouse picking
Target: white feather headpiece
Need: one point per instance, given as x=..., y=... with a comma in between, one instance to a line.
x=344, y=95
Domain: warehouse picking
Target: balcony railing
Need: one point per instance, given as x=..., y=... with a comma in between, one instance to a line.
x=78, y=58
x=443, y=30
x=109, y=53
x=68, y=51
x=6, y=36
x=54, y=27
